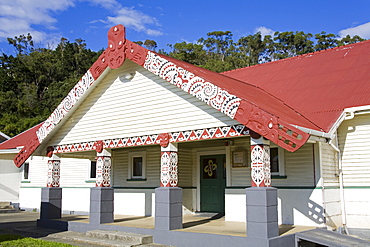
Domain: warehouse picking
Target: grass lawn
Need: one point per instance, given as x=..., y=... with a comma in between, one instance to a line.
x=19, y=241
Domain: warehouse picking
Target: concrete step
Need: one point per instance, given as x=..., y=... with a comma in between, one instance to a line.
x=6, y=205
x=108, y=238
x=131, y=238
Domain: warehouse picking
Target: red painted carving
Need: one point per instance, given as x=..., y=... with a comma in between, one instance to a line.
x=26, y=152
x=116, y=46
x=99, y=66
x=135, y=53
x=270, y=127
x=49, y=151
x=99, y=146
x=164, y=139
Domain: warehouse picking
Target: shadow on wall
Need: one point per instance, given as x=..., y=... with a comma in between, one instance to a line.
x=297, y=208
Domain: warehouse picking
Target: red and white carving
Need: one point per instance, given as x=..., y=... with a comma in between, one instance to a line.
x=271, y=127
x=53, y=173
x=205, y=91
x=103, y=171
x=169, y=165
x=182, y=136
x=260, y=168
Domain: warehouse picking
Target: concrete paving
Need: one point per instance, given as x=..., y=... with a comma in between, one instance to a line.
x=24, y=224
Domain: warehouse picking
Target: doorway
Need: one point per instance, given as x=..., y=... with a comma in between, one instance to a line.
x=212, y=183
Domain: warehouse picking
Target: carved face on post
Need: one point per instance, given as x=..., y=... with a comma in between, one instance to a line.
x=164, y=139
x=99, y=146
x=49, y=151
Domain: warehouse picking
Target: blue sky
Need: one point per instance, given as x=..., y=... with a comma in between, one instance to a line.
x=171, y=21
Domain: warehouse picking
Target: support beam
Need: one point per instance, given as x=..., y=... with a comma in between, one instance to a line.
x=168, y=197
x=102, y=196
x=51, y=196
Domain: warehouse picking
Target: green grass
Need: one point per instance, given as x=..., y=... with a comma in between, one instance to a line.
x=8, y=240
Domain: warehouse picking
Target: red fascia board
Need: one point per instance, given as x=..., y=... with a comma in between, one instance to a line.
x=21, y=139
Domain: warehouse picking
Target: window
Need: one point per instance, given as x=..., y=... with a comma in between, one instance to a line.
x=277, y=161
x=136, y=166
x=92, y=169
x=26, y=170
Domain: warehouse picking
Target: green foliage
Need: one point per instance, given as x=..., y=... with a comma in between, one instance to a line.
x=8, y=240
x=218, y=52
x=33, y=82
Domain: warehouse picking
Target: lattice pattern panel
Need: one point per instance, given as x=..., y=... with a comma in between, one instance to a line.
x=260, y=167
x=53, y=179
x=103, y=171
x=169, y=176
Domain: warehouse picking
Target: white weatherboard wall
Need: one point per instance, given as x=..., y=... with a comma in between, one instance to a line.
x=354, y=136
x=9, y=179
x=73, y=179
x=144, y=105
x=141, y=192
x=299, y=200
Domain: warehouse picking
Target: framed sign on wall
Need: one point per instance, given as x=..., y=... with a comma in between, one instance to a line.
x=239, y=159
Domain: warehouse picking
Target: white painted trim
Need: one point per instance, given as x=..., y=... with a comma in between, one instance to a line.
x=203, y=153
x=5, y=136
x=132, y=155
x=9, y=151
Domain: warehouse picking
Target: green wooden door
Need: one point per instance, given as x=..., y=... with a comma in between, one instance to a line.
x=212, y=183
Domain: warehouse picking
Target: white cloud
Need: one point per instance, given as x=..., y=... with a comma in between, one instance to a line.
x=362, y=30
x=19, y=16
x=27, y=16
x=134, y=19
x=264, y=31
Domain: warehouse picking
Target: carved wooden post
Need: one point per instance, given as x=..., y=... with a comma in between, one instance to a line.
x=102, y=195
x=261, y=199
x=260, y=167
x=168, y=197
x=51, y=196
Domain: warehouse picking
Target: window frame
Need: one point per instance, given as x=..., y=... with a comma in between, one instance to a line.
x=131, y=157
x=26, y=164
x=89, y=179
x=281, y=155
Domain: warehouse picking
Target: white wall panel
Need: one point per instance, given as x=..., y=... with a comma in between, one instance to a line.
x=144, y=105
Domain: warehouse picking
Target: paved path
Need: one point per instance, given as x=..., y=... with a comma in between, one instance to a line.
x=24, y=224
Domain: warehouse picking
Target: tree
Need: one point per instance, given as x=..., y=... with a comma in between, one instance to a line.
x=350, y=40
x=289, y=44
x=252, y=47
x=218, y=44
x=325, y=41
x=23, y=44
x=189, y=52
x=150, y=44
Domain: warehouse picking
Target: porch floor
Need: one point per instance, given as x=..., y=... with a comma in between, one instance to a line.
x=191, y=223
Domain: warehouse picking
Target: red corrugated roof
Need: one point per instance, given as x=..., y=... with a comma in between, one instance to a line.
x=249, y=92
x=317, y=85
x=21, y=139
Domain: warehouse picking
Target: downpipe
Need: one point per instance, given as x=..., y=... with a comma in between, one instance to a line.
x=341, y=186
